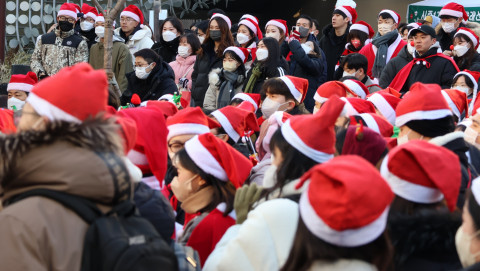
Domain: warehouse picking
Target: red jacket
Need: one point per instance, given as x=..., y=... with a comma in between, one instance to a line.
x=370, y=51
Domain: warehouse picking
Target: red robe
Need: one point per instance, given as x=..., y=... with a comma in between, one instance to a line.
x=370, y=52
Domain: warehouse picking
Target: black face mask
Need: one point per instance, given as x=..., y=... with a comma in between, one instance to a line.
x=216, y=35
x=303, y=32
x=65, y=26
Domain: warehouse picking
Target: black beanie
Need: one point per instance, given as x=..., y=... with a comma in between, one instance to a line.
x=432, y=128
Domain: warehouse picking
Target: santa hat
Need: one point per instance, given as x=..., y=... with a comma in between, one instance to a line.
x=386, y=104
x=356, y=106
x=349, y=3
x=357, y=87
x=100, y=18
x=67, y=9
x=281, y=24
x=457, y=101
x=470, y=34
x=340, y=207
x=314, y=135
x=190, y=120
x=89, y=11
x=167, y=97
x=423, y=102
x=330, y=88
x=415, y=173
x=133, y=12
x=252, y=98
x=242, y=53
x=251, y=17
x=23, y=82
x=167, y=108
x=128, y=132
x=474, y=76
x=77, y=8
x=7, y=125
x=85, y=98
x=364, y=27
x=236, y=121
x=375, y=122
x=218, y=159
x=247, y=106
x=298, y=86
x=454, y=10
x=252, y=25
x=350, y=12
x=396, y=17
x=224, y=17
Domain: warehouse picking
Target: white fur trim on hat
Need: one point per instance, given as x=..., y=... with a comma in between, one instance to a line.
x=410, y=191
x=383, y=106
x=249, y=24
x=347, y=238
x=451, y=12
x=131, y=15
x=295, y=93
x=370, y=122
x=247, y=98
x=204, y=159
x=64, y=12
x=227, y=126
x=100, y=19
x=186, y=128
x=422, y=115
x=476, y=189
x=393, y=14
x=277, y=24
x=91, y=15
x=469, y=35
x=344, y=10
x=251, y=17
x=355, y=88
x=225, y=18
x=293, y=139
x=319, y=98
x=348, y=109
x=452, y=105
x=475, y=89
x=19, y=86
x=137, y=157
x=360, y=27
x=45, y=108
x=237, y=51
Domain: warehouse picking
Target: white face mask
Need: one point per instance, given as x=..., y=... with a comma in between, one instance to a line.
x=15, y=104
x=242, y=38
x=168, y=36
x=460, y=50
x=183, y=51
x=270, y=106
x=384, y=28
x=182, y=191
x=410, y=48
x=348, y=74
x=470, y=135
x=465, y=90
x=270, y=176
x=275, y=35
x=448, y=27
x=315, y=110
x=262, y=54
x=230, y=66
x=86, y=25
x=201, y=39
x=306, y=48
x=100, y=31
x=403, y=139
x=141, y=72
x=463, y=242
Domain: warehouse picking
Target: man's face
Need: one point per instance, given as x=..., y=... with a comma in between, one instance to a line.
x=30, y=120
x=21, y=95
x=127, y=24
x=339, y=21
x=455, y=21
x=304, y=23
x=177, y=143
x=386, y=25
x=423, y=42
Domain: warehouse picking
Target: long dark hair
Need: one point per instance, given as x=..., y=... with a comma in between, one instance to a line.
x=308, y=248
x=177, y=24
x=473, y=209
x=225, y=41
x=273, y=61
x=465, y=61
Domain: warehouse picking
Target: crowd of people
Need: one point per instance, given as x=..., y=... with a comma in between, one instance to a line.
x=241, y=147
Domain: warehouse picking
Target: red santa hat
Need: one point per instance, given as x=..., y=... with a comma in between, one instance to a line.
x=85, y=98
x=236, y=121
x=242, y=53
x=218, y=159
x=386, y=104
x=396, y=17
x=364, y=27
x=415, y=173
x=298, y=86
x=281, y=24
x=318, y=140
x=470, y=34
x=67, y=9
x=350, y=12
x=357, y=87
x=247, y=106
x=457, y=101
x=23, y=82
x=190, y=120
x=252, y=98
x=340, y=207
x=375, y=122
x=422, y=102
x=133, y=12
x=224, y=17
x=474, y=76
x=330, y=88
x=167, y=108
x=89, y=11
x=251, y=17
x=7, y=125
x=100, y=18
x=77, y=7
x=356, y=106
x=454, y=10
x=128, y=132
x=252, y=25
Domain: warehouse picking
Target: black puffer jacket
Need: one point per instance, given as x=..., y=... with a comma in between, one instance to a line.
x=203, y=66
x=167, y=50
x=394, y=66
x=88, y=36
x=333, y=47
x=160, y=81
x=474, y=65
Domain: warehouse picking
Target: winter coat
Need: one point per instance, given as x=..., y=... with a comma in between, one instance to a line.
x=40, y=233
x=446, y=39
x=182, y=66
x=215, y=80
x=160, y=81
x=121, y=60
x=394, y=66
x=89, y=36
x=56, y=50
x=167, y=50
x=140, y=39
x=204, y=64
x=341, y=265
x=311, y=67
x=475, y=267
x=333, y=47
x=372, y=87
x=474, y=64
x=279, y=71
x=258, y=171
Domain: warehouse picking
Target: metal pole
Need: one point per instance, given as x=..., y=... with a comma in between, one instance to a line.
x=2, y=30
x=157, y=5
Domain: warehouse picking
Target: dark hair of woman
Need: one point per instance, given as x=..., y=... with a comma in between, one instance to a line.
x=401, y=206
x=465, y=61
x=193, y=40
x=467, y=79
x=241, y=69
x=223, y=191
x=308, y=248
x=225, y=41
x=473, y=209
x=273, y=60
x=177, y=24
x=356, y=34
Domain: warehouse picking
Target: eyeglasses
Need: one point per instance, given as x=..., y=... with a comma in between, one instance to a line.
x=176, y=146
x=63, y=19
x=127, y=19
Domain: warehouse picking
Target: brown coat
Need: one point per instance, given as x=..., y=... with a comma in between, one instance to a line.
x=38, y=233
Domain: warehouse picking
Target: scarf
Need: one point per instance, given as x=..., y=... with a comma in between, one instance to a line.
x=227, y=88
x=382, y=43
x=256, y=73
x=198, y=201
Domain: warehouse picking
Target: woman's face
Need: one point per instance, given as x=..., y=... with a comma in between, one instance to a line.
x=460, y=41
x=469, y=228
x=462, y=83
x=214, y=25
x=277, y=157
x=261, y=45
x=244, y=30
x=184, y=42
x=168, y=26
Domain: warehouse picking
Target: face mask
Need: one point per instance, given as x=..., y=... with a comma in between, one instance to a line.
x=168, y=36
x=348, y=74
x=65, y=26
x=242, y=39
x=215, y=35
x=303, y=31
x=182, y=191
x=448, y=27
x=356, y=43
x=384, y=28
x=403, y=139
x=270, y=106
x=270, y=176
x=15, y=104
x=86, y=25
x=463, y=242
x=315, y=110
x=230, y=66
x=201, y=39
x=470, y=135
x=100, y=31
x=183, y=51
x=141, y=72
x=262, y=54
x=275, y=35
x=460, y=50
x=410, y=48
x=465, y=90
x=306, y=48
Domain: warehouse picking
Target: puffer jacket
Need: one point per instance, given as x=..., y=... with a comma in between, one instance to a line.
x=167, y=50
x=140, y=39
x=394, y=66
x=183, y=67
x=215, y=79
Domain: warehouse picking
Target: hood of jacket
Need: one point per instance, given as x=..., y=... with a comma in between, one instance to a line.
x=137, y=35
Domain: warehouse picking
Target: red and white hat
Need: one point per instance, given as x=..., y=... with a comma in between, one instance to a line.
x=340, y=207
x=454, y=10
x=251, y=17
x=252, y=25
x=219, y=159
x=87, y=94
x=470, y=34
x=314, y=135
x=330, y=88
x=281, y=24
x=68, y=9
x=357, y=87
x=190, y=120
x=23, y=82
x=474, y=76
x=457, y=100
x=224, y=17
x=242, y=53
x=415, y=173
x=89, y=11
x=386, y=104
x=252, y=98
x=375, y=122
x=356, y=106
x=349, y=11
x=422, y=102
x=298, y=86
x=396, y=17
x=167, y=108
x=236, y=121
x=364, y=27
x=100, y=18
x=133, y=12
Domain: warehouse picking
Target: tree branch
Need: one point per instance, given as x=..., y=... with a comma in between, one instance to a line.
x=99, y=7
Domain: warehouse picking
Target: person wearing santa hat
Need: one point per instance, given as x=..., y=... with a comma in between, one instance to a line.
x=86, y=27
x=329, y=89
x=354, y=66
x=248, y=35
x=465, y=45
x=60, y=48
x=18, y=88
x=424, y=216
x=467, y=82
x=452, y=16
x=228, y=81
x=137, y=36
x=277, y=29
x=356, y=87
x=252, y=98
x=386, y=45
x=385, y=104
x=342, y=224
x=458, y=103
